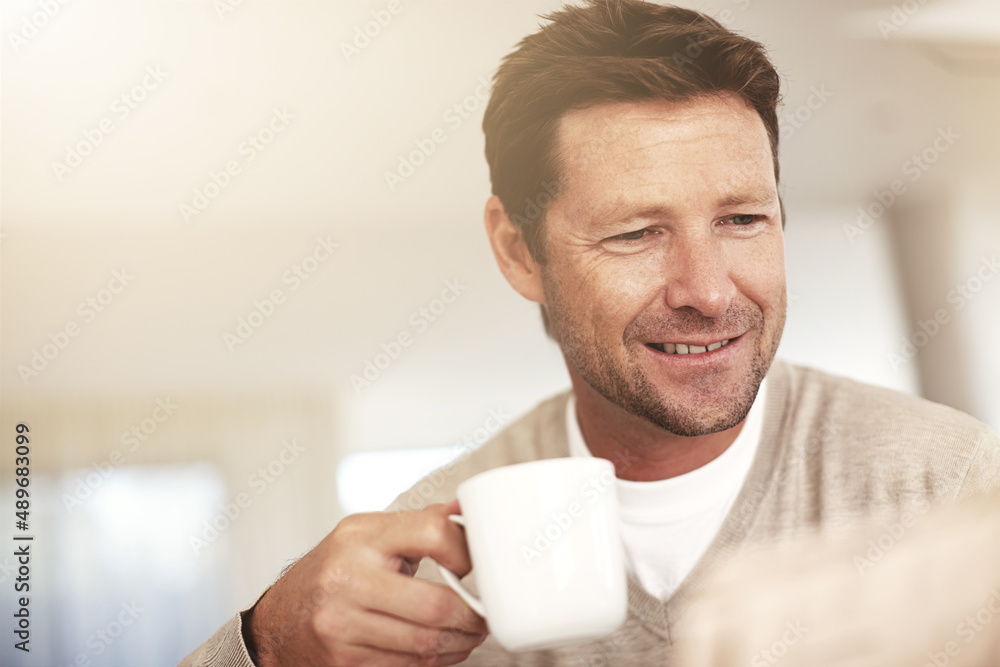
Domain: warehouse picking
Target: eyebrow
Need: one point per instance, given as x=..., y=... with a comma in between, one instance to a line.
x=621, y=214
x=753, y=198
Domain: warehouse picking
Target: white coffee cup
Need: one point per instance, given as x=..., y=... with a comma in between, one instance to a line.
x=546, y=552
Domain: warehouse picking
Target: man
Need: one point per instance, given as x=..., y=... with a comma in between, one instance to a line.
x=633, y=152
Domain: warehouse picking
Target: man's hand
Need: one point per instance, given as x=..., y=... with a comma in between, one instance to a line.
x=353, y=599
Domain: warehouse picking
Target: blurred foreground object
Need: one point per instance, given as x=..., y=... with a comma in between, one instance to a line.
x=924, y=590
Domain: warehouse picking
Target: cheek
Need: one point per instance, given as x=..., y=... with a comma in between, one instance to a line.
x=760, y=276
x=612, y=291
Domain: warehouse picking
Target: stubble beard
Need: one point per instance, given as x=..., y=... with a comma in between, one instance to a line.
x=629, y=387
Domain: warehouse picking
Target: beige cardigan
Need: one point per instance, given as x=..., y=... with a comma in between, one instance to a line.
x=832, y=452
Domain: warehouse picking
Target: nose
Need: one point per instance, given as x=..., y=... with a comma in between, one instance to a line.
x=698, y=275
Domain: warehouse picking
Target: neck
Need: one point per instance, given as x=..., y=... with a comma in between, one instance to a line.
x=641, y=451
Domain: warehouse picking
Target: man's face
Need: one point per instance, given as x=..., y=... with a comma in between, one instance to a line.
x=666, y=236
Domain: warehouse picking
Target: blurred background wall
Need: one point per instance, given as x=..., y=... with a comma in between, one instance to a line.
x=167, y=166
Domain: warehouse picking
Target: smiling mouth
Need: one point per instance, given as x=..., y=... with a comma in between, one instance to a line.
x=683, y=348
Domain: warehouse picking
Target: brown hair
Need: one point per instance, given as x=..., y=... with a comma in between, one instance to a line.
x=607, y=51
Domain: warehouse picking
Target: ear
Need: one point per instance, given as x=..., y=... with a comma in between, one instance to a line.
x=511, y=252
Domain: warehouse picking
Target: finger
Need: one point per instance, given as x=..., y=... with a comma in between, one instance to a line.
x=427, y=532
x=447, y=659
x=381, y=631
x=417, y=601
x=384, y=659
x=357, y=654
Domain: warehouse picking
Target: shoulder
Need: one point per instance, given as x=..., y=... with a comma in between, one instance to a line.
x=859, y=429
x=538, y=434
x=873, y=410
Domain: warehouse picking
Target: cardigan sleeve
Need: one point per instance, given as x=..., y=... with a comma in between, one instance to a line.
x=223, y=649
x=983, y=475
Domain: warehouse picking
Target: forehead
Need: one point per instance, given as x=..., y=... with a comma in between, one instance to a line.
x=707, y=146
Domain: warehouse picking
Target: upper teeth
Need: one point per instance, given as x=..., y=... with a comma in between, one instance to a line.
x=681, y=348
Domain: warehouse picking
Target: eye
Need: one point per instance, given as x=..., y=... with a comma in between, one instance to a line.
x=631, y=236
x=745, y=220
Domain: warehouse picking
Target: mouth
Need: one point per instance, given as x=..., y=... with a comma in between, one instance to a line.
x=701, y=347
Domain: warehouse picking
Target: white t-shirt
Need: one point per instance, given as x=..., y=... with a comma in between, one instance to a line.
x=668, y=524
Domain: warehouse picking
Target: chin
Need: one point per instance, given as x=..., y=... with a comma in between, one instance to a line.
x=701, y=408
x=692, y=420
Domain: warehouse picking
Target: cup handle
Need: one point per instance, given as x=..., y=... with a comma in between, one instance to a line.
x=452, y=580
